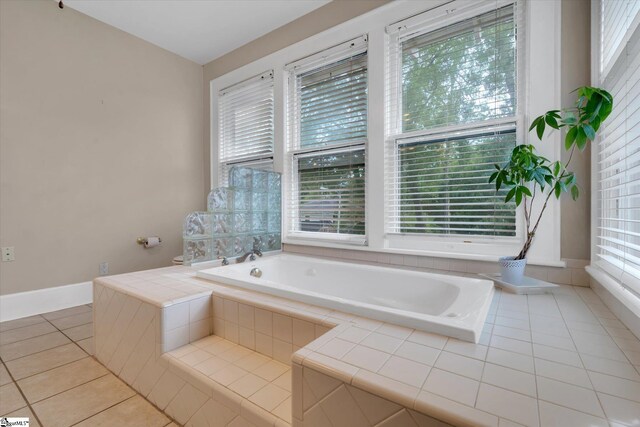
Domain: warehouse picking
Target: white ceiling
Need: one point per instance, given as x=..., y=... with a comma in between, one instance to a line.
x=199, y=30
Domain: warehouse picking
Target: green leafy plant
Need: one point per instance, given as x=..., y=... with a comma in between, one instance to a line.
x=531, y=177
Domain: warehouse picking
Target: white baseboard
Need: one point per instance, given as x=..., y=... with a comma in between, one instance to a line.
x=23, y=304
x=618, y=299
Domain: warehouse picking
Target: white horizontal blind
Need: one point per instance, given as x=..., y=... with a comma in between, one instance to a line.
x=462, y=73
x=443, y=185
x=245, y=123
x=617, y=22
x=327, y=127
x=331, y=192
x=453, y=105
x=333, y=103
x=618, y=240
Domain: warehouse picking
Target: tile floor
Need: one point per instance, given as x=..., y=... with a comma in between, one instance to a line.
x=47, y=373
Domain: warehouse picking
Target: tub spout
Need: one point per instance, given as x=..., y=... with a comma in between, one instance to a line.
x=251, y=254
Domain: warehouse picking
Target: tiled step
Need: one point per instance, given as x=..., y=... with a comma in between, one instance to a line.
x=236, y=377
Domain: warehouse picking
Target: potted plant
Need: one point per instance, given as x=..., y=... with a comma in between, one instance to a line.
x=532, y=179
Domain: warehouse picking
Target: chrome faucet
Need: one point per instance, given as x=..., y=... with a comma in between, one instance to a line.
x=224, y=259
x=251, y=254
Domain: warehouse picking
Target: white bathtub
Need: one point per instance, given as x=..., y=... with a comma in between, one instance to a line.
x=447, y=305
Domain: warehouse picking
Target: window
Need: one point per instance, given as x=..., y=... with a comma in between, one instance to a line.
x=618, y=151
x=327, y=125
x=245, y=114
x=452, y=114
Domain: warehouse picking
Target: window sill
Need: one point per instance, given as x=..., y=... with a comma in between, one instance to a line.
x=325, y=239
x=425, y=253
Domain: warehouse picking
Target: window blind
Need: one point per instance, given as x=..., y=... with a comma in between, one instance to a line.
x=453, y=105
x=443, y=185
x=618, y=19
x=618, y=238
x=331, y=192
x=245, y=122
x=330, y=103
x=327, y=119
x=462, y=73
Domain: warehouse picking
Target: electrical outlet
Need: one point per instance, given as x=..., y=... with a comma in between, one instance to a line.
x=104, y=268
x=8, y=254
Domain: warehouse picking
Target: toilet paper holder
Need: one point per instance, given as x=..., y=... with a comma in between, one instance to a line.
x=145, y=240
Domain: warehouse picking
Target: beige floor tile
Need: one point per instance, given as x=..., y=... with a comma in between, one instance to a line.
x=54, y=381
x=20, y=323
x=74, y=320
x=79, y=333
x=248, y=385
x=45, y=360
x=87, y=345
x=135, y=411
x=25, y=413
x=10, y=399
x=23, y=348
x=4, y=376
x=26, y=332
x=284, y=381
x=271, y=370
x=82, y=402
x=66, y=312
x=283, y=410
x=269, y=397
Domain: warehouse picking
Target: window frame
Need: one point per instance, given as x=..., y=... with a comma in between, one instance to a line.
x=295, y=151
x=416, y=26
x=542, y=41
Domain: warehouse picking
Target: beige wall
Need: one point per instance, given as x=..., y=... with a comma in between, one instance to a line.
x=576, y=72
x=100, y=142
x=323, y=18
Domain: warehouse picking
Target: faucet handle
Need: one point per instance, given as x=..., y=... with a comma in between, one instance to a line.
x=257, y=252
x=224, y=259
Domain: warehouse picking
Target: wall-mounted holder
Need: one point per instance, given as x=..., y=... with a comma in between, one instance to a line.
x=149, y=242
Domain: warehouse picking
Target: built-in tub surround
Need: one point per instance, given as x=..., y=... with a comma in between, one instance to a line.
x=449, y=305
x=554, y=359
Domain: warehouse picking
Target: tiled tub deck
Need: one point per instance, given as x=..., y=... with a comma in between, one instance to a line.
x=560, y=359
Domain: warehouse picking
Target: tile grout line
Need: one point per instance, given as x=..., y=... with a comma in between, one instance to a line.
x=484, y=361
x=55, y=367
x=535, y=371
x=71, y=339
x=582, y=363
x=608, y=333
x=42, y=351
x=71, y=388
x=105, y=409
x=44, y=320
x=35, y=336
x=29, y=405
x=39, y=351
x=15, y=383
x=25, y=326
